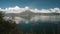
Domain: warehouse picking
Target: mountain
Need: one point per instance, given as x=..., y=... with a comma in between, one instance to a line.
x=29, y=14
x=26, y=14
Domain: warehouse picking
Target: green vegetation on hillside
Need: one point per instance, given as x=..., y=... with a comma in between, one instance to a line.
x=8, y=27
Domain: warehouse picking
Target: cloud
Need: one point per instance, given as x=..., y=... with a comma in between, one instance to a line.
x=55, y=10
x=17, y=9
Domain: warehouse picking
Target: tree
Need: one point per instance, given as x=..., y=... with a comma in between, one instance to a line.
x=30, y=31
x=7, y=27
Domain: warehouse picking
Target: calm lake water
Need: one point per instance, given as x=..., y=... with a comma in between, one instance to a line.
x=53, y=18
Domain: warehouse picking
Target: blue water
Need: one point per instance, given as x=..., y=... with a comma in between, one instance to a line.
x=47, y=23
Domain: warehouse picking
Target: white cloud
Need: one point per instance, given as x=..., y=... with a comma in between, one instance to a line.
x=2, y=9
x=26, y=8
x=17, y=9
x=55, y=10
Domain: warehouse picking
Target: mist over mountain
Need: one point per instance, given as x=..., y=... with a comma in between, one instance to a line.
x=31, y=16
x=26, y=14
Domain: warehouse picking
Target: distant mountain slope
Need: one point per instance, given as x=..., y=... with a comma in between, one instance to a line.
x=29, y=14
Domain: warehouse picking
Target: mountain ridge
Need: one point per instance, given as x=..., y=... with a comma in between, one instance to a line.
x=29, y=14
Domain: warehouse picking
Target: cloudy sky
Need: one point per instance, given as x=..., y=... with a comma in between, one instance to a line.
x=40, y=5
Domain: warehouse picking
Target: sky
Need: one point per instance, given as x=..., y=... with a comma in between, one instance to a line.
x=39, y=4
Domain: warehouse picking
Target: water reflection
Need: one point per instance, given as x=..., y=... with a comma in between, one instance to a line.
x=42, y=18
x=47, y=18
